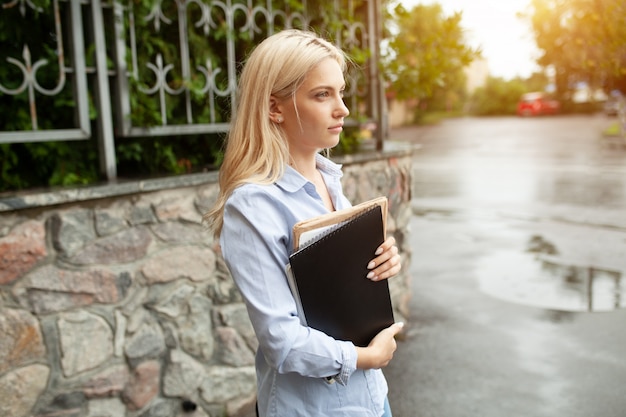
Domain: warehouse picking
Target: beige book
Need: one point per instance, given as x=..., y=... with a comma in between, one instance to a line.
x=308, y=231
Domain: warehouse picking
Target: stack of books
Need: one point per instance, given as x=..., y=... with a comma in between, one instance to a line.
x=328, y=268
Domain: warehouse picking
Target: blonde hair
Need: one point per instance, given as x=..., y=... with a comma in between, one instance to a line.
x=256, y=148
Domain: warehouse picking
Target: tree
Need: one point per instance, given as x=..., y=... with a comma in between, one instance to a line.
x=584, y=40
x=427, y=54
x=498, y=97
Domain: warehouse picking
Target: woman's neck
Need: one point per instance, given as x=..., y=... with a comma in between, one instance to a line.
x=307, y=167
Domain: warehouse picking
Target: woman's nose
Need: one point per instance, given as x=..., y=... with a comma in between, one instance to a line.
x=342, y=109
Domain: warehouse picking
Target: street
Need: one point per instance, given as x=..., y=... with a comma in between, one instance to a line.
x=518, y=268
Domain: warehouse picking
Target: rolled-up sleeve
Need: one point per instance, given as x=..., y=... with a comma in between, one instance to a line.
x=348, y=363
x=255, y=242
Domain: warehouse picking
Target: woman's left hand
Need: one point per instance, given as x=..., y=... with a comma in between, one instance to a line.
x=387, y=262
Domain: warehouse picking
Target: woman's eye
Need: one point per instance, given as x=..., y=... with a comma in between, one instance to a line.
x=323, y=94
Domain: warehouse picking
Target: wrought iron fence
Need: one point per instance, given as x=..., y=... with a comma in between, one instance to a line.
x=90, y=58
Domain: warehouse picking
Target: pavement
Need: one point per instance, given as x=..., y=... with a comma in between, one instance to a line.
x=517, y=310
x=468, y=352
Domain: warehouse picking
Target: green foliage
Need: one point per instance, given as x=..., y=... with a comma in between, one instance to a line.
x=426, y=58
x=140, y=157
x=8, y=178
x=29, y=165
x=447, y=99
x=165, y=42
x=583, y=40
x=497, y=97
x=58, y=163
x=614, y=129
x=426, y=52
x=37, y=164
x=350, y=141
x=432, y=118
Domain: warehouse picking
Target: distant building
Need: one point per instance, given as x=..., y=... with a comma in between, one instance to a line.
x=477, y=73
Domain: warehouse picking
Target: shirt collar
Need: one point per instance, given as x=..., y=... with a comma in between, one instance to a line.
x=292, y=180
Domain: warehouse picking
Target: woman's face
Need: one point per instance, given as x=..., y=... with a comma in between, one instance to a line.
x=315, y=121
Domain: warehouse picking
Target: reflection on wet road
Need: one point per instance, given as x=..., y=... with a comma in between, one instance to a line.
x=549, y=169
x=518, y=272
x=551, y=283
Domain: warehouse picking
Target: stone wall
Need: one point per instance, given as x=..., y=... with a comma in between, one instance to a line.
x=115, y=300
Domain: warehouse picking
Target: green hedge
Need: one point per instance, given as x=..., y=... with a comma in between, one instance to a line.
x=66, y=163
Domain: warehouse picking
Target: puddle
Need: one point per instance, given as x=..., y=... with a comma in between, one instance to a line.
x=547, y=281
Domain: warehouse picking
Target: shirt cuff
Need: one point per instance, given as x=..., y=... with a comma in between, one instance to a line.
x=348, y=363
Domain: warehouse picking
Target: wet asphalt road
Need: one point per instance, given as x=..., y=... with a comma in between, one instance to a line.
x=492, y=333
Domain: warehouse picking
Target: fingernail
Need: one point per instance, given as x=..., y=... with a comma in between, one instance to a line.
x=378, y=251
x=370, y=275
x=371, y=265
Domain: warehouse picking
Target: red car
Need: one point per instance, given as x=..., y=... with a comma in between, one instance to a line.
x=537, y=104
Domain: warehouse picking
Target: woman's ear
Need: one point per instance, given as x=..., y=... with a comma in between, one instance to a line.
x=276, y=115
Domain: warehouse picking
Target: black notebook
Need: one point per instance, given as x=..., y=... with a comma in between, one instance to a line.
x=328, y=280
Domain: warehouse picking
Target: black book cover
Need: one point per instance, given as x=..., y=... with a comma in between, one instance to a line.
x=328, y=278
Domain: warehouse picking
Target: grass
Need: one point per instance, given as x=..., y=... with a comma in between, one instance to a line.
x=613, y=129
x=435, y=117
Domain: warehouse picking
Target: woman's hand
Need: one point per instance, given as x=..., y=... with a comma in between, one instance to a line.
x=380, y=350
x=387, y=262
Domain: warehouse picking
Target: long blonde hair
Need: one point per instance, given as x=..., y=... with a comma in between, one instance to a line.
x=256, y=148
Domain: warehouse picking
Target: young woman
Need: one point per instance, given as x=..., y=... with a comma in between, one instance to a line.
x=290, y=108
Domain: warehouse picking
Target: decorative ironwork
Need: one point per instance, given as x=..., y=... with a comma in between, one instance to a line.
x=30, y=85
x=192, y=95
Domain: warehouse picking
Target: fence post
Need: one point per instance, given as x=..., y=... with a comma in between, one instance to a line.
x=104, y=131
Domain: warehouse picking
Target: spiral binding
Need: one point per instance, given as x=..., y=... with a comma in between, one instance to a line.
x=330, y=230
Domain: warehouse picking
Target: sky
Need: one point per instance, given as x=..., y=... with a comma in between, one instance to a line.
x=506, y=40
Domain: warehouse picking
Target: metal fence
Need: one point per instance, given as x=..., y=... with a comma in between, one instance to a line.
x=98, y=67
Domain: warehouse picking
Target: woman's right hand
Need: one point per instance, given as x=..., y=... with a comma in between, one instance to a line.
x=380, y=350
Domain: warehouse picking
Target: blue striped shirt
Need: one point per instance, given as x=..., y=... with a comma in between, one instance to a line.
x=293, y=361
